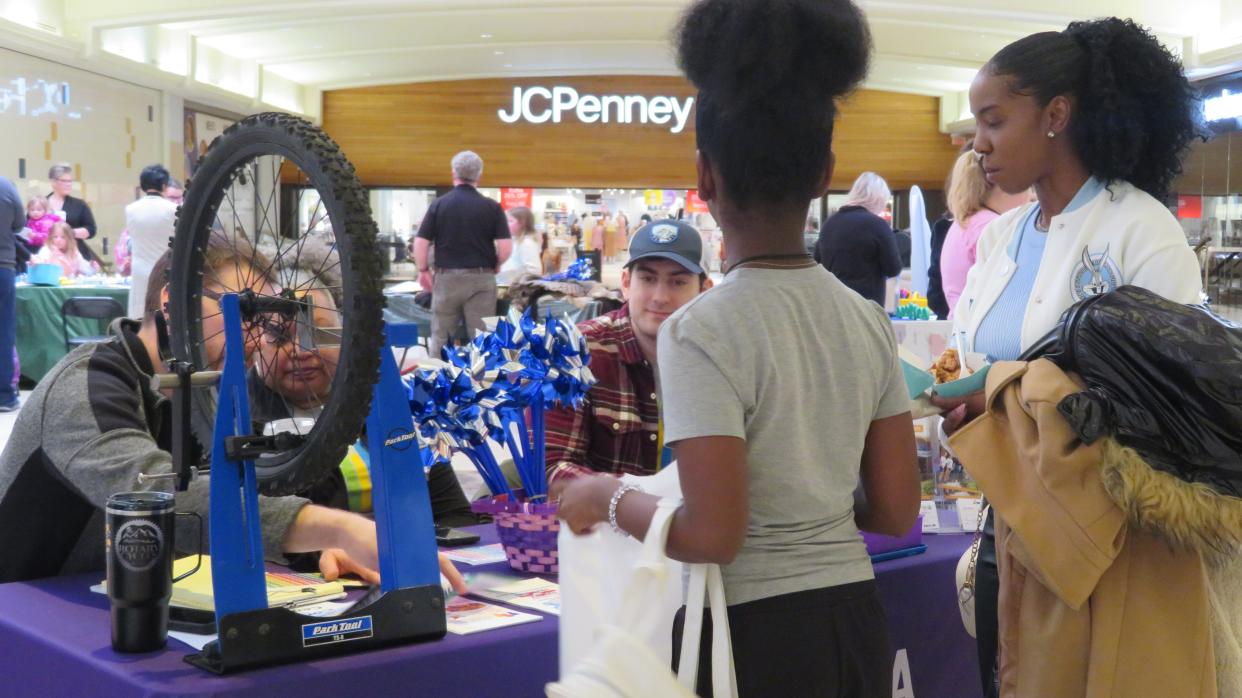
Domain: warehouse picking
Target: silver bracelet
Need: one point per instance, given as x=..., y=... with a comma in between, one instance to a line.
x=616, y=499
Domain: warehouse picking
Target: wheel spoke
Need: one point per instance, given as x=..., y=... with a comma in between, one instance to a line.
x=285, y=219
x=336, y=265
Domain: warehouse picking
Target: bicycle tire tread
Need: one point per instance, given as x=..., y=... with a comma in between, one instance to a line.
x=344, y=413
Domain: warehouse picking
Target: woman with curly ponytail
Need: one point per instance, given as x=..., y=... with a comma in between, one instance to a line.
x=1097, y=119
x=781, y=389
x=1109, y=88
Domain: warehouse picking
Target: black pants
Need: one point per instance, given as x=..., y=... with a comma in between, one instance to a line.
x=830, y=642
x=987, y=602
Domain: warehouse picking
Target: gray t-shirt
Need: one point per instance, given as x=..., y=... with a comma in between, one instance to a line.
x=798, y=365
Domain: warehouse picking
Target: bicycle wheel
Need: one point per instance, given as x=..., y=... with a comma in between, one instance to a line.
x=275, y=211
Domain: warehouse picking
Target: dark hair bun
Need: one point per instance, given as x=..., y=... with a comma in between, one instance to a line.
x=747, y=51
x=769, y=73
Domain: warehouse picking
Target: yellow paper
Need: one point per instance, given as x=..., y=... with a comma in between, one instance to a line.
x=195, y=591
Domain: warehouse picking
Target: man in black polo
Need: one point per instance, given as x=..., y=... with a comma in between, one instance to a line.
x=472, y=240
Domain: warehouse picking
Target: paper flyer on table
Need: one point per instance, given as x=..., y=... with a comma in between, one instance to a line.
x=466, y=616
x=968, y=513
x=194, y=640
x=534, y=593
x=478, y=555
x=931, y=517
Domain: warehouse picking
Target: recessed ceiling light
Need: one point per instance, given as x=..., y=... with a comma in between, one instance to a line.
x=499, y=53
x=485, y=36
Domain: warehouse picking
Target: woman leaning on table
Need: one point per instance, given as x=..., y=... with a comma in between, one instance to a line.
x=1096, y=118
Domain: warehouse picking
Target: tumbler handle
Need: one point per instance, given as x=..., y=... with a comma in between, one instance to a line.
x=198, y=563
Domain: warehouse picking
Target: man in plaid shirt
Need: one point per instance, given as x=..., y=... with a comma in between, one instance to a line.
x=617, y=428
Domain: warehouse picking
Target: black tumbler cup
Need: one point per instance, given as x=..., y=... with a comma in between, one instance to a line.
x=140, y=542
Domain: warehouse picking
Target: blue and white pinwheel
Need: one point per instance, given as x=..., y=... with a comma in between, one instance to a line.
x=488, y=387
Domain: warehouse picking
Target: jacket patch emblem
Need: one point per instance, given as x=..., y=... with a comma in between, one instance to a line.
x=1095, y=274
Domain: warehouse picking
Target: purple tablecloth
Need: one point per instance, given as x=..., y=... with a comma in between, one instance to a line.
x=56, y=642
x=920, y=598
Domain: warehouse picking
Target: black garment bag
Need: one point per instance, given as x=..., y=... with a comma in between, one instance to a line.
x=1162, y=378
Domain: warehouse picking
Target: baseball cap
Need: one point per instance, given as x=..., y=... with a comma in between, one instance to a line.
x=668, y=239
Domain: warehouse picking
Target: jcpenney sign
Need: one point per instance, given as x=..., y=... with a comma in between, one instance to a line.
x=539, y=105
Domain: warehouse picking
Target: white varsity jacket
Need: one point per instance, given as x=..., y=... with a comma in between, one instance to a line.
x=1121, y=236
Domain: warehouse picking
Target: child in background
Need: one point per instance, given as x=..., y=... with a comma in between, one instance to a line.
x=124, y=254
x=39, y=220
x=62, y=249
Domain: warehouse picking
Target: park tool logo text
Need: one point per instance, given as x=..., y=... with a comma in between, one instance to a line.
x=331, y=631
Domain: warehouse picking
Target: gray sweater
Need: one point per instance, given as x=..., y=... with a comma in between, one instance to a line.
x=12, y=220
x=90, y=427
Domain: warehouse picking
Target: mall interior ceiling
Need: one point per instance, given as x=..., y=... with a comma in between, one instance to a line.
x=241, y=55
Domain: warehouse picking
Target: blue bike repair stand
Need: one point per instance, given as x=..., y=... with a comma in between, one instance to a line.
x=408, y=605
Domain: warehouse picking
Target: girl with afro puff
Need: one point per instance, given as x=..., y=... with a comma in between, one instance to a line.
x=782, y=396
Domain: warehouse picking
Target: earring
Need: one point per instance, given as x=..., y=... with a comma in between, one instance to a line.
x=1052, y=134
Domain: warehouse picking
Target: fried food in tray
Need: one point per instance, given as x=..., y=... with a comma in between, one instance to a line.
x=948, y=367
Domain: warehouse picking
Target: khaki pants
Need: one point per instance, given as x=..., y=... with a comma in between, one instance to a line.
x=457, y=296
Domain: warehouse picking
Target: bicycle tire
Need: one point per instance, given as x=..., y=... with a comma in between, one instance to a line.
x=330, y=173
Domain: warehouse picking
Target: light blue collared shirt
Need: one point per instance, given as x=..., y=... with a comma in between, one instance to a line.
x=1000, y=332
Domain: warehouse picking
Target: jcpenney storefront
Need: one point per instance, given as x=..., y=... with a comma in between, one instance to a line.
x=597, y=145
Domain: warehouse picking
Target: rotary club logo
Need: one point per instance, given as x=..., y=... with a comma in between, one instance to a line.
x=138, y=545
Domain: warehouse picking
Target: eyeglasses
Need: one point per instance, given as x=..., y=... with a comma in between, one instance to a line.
x=263, y=323
x=277, y=331
x=63, y=180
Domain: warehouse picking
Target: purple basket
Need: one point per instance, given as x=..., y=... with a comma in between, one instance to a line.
x=527, y=531
x=879, y=543
x=529, y=541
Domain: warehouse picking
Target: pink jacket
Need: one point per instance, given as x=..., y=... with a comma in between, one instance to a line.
x=958, y=254
x=40, y=227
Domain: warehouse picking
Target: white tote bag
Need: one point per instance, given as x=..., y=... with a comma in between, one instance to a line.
x=706, y=580
x=620, y=665
x=595, y=570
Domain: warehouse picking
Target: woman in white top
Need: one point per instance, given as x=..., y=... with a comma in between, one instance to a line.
x=527, y=257
x=1096, y=118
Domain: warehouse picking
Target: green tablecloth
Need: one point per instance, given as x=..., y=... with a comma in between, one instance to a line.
x=40, y=340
